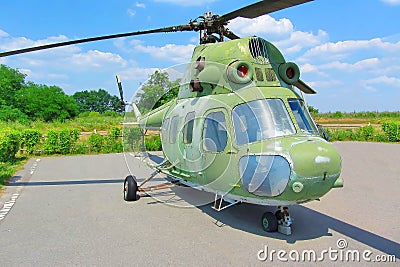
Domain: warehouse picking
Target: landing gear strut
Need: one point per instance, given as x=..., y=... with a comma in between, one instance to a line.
x=131, y=188
x=284, y=221
x=280, y=221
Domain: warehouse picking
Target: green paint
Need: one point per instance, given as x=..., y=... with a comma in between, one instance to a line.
x=314, y=164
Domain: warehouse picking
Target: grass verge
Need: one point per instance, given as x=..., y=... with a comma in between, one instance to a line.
x=8, y=169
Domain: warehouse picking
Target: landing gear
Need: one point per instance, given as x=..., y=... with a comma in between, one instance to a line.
x=130, y=188
x=280, y=221
x=269, y=222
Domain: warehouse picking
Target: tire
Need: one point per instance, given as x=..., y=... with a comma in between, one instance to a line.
x=269, y=222
x=130, y=188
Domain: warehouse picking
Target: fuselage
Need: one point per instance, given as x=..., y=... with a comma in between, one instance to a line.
x=260, y=146
x=239, y=129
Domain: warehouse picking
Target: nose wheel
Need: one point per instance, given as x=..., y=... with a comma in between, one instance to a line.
x=280, y=221
x=269, y=222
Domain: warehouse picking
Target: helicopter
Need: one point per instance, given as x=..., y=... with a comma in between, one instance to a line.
x=238, y=128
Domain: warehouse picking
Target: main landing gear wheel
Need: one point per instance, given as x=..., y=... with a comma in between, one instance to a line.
x=130, y=188
x=269, y=222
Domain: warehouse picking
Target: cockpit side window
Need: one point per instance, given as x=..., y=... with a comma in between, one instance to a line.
x=261, y=119
x=302, y=116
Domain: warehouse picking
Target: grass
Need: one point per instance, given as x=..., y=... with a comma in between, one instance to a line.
x=8, y=169
x=84, y=124
x=356, y=117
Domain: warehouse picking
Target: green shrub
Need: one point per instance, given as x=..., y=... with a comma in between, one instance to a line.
x=366, y=133
x=392, y=131
x=112, y=143
x=132, y=139
x=9, y=145
x=338, y=115
x=84, y=114
x=30, y=139
x=110, y=113
x=52, y=144
x=68, y=139
x=94, y=114
x=153, y=143
x=114, y=132
x=341, y=134
x=96, y=142
x=80, y=149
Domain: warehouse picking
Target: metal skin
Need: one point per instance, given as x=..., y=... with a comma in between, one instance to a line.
x=315, y=165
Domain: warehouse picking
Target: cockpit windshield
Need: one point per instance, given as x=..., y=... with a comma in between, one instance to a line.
x=302, y=116
x=261, y=119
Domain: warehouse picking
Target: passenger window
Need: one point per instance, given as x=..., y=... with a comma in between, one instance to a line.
x=188, y=128
x=214, y=132
x=164, y=130
x=173, y=130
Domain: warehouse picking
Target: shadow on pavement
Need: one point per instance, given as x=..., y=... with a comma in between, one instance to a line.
x=309, y=224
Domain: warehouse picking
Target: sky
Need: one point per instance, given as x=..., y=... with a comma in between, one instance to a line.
x=348, y=51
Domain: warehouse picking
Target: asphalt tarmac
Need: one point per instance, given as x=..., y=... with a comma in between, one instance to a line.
x=70, y=211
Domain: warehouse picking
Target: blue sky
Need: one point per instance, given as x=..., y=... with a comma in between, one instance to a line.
x=349, y=51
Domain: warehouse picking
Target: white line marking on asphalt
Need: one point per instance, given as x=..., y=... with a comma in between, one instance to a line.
x=9, y=204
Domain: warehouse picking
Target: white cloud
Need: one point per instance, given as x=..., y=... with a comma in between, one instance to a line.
x=22, y=42
x=265, y=24
x=344, y=49
x=140, y=5
x=281, y=32
x=299, y=40
x=391, y=2
x=3, y=33
x=380, y=81
x=32, y=74
x=170, y=52
x=308, y=68
x=8, y=43
x=131, y=12
x=97, y=59
x=185, y=2
x=136, y=73
x=365, y=65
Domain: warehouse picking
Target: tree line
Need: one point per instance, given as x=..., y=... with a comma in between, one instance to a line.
x=22, y=100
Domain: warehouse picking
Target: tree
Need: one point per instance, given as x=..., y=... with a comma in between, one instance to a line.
x=97, y=101
x=11, y=81
x=47, y=103
x=313, y=110
x=9, y=113
x=157, y=91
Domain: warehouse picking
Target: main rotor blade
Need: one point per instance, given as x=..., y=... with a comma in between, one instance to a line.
x=304, y=87
x=262, y=8
x=231, y=35
x=186, y=27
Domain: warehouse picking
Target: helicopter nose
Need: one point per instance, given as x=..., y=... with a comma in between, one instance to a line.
x=316, y=159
